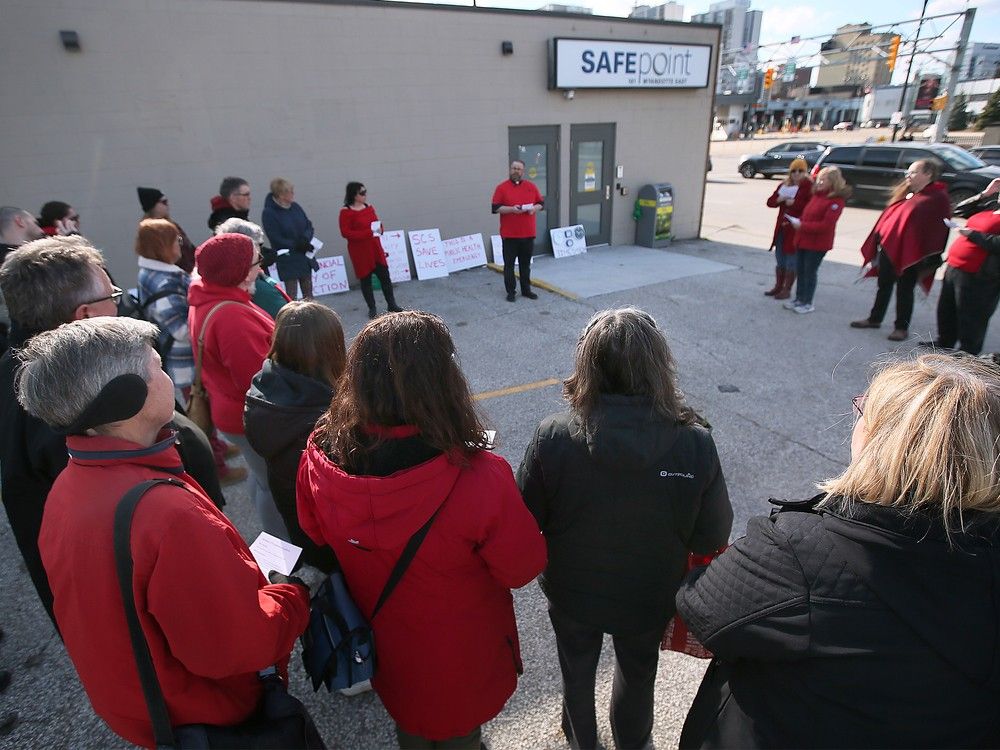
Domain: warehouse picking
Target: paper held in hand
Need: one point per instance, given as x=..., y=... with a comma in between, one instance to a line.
x=272, y=553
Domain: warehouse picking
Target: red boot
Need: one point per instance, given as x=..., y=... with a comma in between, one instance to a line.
x=786, y=290
x=779, y=281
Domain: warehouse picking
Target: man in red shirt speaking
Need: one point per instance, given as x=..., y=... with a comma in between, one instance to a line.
x=517, y=201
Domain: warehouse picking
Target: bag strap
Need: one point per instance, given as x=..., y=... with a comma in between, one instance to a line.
x=405, y=559
x=158, y=296
x=155, y=704
x=201, y=341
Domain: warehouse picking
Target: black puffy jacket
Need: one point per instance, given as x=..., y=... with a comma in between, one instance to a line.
x=853, y=626
x=281, y=411
x=620, y=506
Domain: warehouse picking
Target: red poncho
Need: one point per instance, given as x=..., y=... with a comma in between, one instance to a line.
x=910, y=230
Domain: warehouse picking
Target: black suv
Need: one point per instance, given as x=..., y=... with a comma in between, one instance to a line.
x=873, y=169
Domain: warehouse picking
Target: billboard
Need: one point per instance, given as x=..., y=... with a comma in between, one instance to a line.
x=927, y=91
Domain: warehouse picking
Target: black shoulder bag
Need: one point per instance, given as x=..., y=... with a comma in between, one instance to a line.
x=280, y=721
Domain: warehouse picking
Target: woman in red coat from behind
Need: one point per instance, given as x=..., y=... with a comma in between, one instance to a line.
x=402, y=444
x=790, y=198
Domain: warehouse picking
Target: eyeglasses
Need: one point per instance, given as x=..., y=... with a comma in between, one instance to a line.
x=798, y=171
x=115, y=296
x=858, y=402
x=164, y=201
x=260, y=259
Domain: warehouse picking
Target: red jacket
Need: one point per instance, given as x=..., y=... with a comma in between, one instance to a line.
x=819, y=222
x=365, y=249
x=236, y=345
x=965, y=254
x=446, y=639
x=210, y=617
x=909, y=230
x=783, y=227
x=517, y=226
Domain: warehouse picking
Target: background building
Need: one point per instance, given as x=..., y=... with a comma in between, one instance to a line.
x=981, y=61
x=177, y=95
x=666, y=12
x=850, y=59
x=558, y=8
x=740, y=38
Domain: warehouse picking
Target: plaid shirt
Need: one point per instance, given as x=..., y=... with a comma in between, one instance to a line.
x=170, y=313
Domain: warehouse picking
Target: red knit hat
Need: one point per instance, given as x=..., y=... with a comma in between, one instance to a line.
x=225, y=259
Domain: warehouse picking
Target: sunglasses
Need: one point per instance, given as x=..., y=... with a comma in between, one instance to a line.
x=115, y=296
x=798, y=171
x=363, y=191
x=74, y=217
x=858, y=402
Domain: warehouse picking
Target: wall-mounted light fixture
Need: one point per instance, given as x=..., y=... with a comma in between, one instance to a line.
x=507, y=48
x=70, y=40
x=569, y=93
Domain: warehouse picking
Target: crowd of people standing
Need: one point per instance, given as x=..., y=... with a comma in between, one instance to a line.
x=828, y=621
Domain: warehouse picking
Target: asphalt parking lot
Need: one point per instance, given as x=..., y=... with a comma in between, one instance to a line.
x=776, y=387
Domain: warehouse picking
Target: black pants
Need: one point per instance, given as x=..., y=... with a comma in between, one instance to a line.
x=471, y=741
x=964, y=309
x=382, y=274
x=520, y=249
x=904, y=284
x=636, y=660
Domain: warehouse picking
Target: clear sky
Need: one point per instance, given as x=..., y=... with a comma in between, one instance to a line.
x=784, y=19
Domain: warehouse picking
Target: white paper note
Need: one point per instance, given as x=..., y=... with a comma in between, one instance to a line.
x=317, y=244
x=272, y=553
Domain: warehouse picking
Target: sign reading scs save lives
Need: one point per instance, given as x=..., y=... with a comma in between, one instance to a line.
x=613, y=64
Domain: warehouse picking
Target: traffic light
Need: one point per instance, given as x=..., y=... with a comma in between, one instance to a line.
x=893, y=52
x=768, y=78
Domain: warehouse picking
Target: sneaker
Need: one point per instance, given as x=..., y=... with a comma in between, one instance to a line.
x=803, y=308
x=791, y=304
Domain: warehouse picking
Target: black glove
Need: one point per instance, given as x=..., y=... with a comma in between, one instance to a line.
x=303, y=246
x=314, y=264
x=276, y=577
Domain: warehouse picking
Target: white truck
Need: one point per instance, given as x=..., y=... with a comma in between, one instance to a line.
x=878, y=106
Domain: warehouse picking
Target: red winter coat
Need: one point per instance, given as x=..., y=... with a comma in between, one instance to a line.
x=365, y=249
x=819, y=222
x=909, y=230
x=783, y=227
x=211, y=619
x=446, y=639
x=236, y=345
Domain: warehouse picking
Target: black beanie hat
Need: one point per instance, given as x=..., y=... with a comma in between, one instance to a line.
x=148, y=197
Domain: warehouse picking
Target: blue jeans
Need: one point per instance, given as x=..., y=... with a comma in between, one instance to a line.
x=807, y=266
x=784, y=261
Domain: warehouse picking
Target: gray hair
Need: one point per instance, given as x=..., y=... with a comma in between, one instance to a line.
x=244, y=227
x=8, y=214
x=63, y=370
x=46, y=280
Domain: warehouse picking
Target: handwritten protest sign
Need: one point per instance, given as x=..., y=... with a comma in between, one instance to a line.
x=464, y=252
x=394, y=245
x=428, y=255
x=567, y=241
x=331, y=278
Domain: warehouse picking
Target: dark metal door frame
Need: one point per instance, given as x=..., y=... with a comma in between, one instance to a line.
x=547, y=135
x=604, y=132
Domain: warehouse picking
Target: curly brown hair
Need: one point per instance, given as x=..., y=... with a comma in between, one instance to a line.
x=401, y=370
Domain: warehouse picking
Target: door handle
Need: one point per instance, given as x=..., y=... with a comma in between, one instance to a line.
x=607, y=192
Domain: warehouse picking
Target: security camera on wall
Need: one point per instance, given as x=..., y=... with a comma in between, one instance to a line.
x=569, y=93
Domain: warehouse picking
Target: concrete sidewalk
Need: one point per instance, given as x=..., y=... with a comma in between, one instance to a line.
x=776, y=387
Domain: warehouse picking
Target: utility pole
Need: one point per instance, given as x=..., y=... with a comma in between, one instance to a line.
x=963, y=43
x=909, y=68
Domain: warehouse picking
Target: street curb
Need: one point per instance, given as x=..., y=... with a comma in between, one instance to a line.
x=540, y=283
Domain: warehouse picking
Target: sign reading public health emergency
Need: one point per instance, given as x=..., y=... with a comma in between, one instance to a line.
x=610, y=64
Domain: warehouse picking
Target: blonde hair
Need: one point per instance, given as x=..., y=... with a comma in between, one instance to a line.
x=280, y=186
x=835, y=178
x=933, y=428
